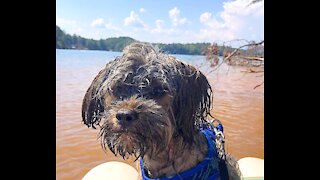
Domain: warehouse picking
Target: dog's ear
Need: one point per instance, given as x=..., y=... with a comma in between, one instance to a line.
x=93, y=101
x=192, y=102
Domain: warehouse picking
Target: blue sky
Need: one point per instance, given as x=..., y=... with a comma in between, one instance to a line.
x=165, y=21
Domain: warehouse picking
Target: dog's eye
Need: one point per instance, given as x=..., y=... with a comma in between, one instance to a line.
x=140, y=107
x=158, y=91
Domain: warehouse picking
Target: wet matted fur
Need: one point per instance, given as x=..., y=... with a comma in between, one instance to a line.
x=152, y=106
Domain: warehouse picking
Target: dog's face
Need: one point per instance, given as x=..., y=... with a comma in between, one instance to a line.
x=144, y=99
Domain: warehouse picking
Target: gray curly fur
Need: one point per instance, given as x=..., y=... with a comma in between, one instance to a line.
x=191, y=91
x=138, y=74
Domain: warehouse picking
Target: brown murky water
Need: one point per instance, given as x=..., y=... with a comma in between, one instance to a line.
x=236, y=104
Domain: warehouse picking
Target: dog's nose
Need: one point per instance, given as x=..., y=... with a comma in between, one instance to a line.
x=126, y=115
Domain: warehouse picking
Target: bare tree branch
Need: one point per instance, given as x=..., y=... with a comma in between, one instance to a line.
x=233, y=40
x=252, y=58
x=252, y=71
x=258, y=85
x=253, y=2
x=236, y=50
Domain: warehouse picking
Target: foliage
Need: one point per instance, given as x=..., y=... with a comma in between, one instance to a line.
x=189, y=48
x=66, y=41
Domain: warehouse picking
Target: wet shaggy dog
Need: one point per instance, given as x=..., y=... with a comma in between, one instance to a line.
x=152, y=106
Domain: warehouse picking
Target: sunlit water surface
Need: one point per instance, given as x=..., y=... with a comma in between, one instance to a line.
x=237, y=104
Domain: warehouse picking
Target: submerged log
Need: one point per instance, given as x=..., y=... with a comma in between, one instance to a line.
x=252, y=58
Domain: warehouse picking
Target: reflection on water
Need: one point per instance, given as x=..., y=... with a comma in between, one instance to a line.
x=236, y=104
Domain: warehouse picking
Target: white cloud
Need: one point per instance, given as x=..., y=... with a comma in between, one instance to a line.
x=236, y=21
x=70, y=26
x=134, y=20
x=100, y=23
x=160, y=28
x=97, y=22
x=242, y=8
x=97, y=29
x=161, y=32
x=174, y=15
x=62, y=22
x=66, y=23
x=159, y=23
x=207, y=19
x=142, y=10
x=215, y=35
x=112, y=27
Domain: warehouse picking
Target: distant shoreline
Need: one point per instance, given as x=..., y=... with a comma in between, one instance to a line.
x=121, y=52
x=117, y=44
x=86, y=49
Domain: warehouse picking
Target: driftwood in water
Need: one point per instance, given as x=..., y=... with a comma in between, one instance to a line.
x=236, y=58
x=252, y=58
x=240, y=61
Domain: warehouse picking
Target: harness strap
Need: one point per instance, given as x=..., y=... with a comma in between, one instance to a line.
x=198, y=171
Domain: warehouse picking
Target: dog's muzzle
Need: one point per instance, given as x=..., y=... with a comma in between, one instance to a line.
x=126, y=115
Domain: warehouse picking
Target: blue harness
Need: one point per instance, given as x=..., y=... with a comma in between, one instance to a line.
x=196, y=172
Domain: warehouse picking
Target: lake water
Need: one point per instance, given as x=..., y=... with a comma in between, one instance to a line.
x=237, y=104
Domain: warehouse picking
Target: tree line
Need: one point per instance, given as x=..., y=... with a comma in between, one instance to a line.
x=67, y=41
